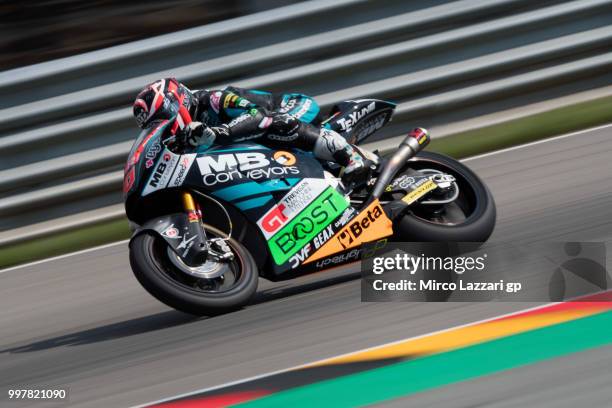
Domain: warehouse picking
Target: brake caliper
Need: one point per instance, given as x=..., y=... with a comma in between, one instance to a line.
x=219, y=250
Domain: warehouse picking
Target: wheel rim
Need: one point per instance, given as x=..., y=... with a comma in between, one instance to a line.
x=209, y=278
x=457, y=212
x=207, y=270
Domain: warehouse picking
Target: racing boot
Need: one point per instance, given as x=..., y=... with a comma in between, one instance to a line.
x=357, y=163
x=357, y=172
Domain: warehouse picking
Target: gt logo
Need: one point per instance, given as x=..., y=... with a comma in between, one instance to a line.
x=274, y=219
x=290, y=205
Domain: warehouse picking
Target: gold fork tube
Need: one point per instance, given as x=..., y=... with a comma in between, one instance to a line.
x=188, y=203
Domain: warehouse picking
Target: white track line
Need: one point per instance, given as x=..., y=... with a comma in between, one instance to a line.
x=55, y=258
x=537, y=142
x=509, y=149
x=297, y=367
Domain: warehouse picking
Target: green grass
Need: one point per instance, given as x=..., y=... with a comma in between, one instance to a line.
x=64, y=242
x=526, y=129
x=494, y=137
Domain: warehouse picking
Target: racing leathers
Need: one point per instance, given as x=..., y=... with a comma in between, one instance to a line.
x=236, y=114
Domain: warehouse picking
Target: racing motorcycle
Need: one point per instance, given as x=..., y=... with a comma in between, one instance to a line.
x=208, y=222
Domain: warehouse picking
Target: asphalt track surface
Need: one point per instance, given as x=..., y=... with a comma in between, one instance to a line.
x=83, y=322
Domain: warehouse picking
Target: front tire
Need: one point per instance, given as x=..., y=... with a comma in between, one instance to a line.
x=477, y=204
x=149, y=258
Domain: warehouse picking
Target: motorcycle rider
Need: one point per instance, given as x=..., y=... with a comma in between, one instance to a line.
x=234, y=114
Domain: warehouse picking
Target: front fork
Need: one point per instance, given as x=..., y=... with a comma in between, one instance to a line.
x=198, y=253
x=192, y=209
x=216, y=248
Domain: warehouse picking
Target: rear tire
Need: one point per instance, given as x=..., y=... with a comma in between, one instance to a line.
x=151, y=266
x=478, y=224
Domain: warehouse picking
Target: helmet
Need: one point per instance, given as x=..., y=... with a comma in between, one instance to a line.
x=163, y=99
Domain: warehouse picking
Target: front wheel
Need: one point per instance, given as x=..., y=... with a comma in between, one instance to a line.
x=469, y=218
x=207, y=289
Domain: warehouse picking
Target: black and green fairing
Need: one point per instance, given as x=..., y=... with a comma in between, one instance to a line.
x=249, y=180
x=258, y=181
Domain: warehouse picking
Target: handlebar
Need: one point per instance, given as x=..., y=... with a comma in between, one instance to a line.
x=170, y=141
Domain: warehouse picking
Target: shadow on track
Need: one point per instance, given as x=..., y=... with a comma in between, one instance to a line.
x=172, y=318
x=112, y=331
x=290, y=288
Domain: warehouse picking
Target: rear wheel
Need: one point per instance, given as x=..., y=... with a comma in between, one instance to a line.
x=207, y=289
x=470, y=217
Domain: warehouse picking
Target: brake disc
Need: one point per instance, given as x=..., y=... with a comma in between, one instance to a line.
x=207, y=270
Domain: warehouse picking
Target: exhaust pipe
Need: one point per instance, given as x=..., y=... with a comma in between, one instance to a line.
x=416, y=141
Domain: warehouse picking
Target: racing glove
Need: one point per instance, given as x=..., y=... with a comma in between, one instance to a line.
x=197, y=134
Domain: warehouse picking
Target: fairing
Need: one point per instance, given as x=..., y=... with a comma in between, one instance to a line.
x=294, y=205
